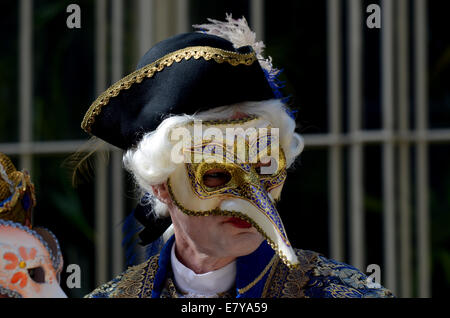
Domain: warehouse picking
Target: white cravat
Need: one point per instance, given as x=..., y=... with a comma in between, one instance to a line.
x=207, y=284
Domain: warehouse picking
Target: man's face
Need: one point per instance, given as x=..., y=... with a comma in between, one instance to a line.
x=216, y=235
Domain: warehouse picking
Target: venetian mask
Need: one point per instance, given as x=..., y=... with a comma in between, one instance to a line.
x=30, y=262
x=247, y=154
x=17, y=197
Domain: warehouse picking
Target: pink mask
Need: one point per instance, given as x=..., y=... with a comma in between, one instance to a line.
x=30, y=262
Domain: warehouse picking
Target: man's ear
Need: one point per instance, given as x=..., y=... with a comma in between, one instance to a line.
x=162, y=193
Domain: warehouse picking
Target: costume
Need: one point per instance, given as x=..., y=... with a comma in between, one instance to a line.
x=245, y=141
x=30, y=257
x=259, y=275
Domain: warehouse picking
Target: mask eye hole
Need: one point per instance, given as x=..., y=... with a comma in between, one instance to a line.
x=216, y=177
x=37, y=274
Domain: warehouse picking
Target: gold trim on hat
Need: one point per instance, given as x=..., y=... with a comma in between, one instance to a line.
x=196, y=52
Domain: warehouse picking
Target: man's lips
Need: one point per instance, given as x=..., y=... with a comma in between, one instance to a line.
x=237, y=222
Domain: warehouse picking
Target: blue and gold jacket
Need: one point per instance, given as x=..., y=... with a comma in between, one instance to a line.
x=258, y=275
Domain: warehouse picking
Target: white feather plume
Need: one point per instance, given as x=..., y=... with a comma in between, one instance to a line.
x=239, y=33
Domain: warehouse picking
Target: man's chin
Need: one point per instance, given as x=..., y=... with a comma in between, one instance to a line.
x=247, y=239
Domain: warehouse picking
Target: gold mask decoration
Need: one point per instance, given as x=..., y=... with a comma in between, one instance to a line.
x=17, y=194
x=237, y=148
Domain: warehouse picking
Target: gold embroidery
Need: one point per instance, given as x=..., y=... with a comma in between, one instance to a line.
x=260, y=276
x=275, y=285
x=130, y=285
x=170, y=291
x=284, y=282
x=196, y=52
x=150, y=274
x=13, y=186
x=105, y=288
x=269, y=278
x=341, y=291
x=136, y=280
x=240, y=172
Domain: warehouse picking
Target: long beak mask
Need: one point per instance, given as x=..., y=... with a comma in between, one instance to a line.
x=237, y=148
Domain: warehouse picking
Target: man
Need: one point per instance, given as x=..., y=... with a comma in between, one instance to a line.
x=208, y=141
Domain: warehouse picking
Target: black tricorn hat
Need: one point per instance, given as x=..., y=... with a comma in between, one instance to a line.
x=184, y=74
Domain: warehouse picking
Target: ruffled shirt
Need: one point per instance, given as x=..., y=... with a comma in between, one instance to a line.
x=208, y=284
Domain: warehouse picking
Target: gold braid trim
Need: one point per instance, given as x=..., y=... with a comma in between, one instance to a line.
x=196, y=52
x=260, y=276
x=268, y=283
x=137, y=281
x=237, y=214
x=131, y=283
x=216, y=122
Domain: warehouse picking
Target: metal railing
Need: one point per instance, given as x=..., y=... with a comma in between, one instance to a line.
x=394, y=58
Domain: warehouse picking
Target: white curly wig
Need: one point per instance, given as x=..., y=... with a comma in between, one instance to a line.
x=150, y=162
